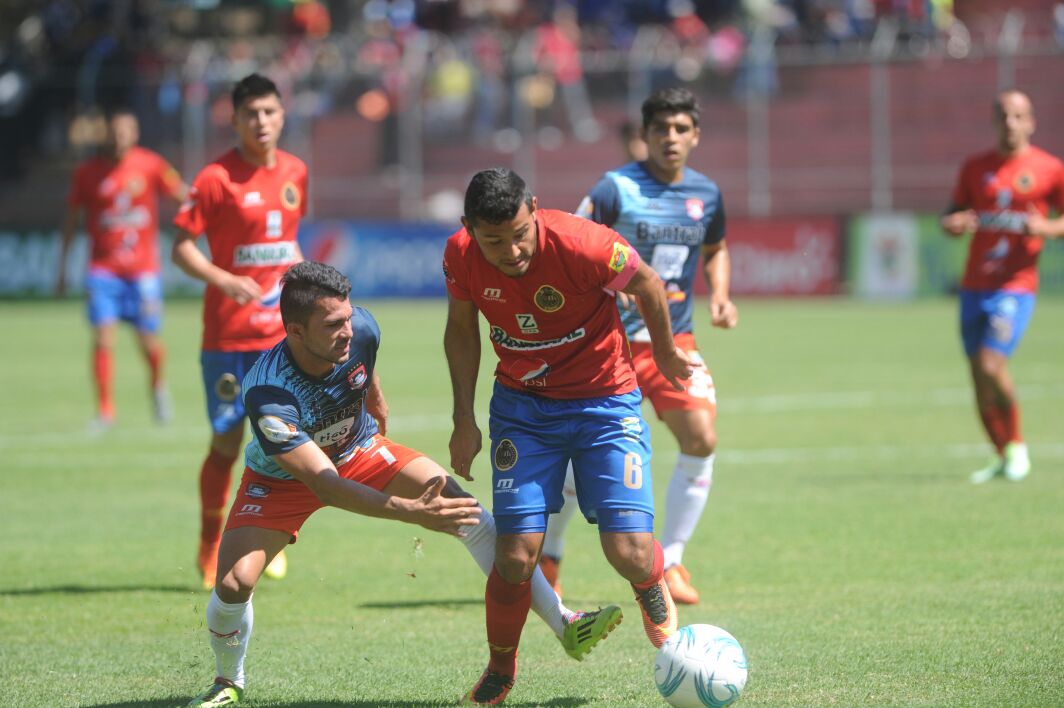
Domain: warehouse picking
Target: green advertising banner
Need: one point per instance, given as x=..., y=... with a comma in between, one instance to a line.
x=899, y=256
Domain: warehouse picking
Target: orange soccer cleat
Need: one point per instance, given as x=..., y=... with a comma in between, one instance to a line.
x=679, y=582
x=659, y=612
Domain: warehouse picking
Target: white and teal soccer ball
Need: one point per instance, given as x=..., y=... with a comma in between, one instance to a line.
x=700, y=665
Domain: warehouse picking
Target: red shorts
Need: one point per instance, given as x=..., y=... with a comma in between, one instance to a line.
x=284, y=504
x=698, y=390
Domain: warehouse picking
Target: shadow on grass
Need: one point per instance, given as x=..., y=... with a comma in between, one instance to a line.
x=566, y=702
x=417, y=604
x=95, y=590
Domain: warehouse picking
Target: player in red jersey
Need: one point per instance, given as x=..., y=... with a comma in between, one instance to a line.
x=565, y=389
x=248, y=203
x=119, y=192
x=1004, y=198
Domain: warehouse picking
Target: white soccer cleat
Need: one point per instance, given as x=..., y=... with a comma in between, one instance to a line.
x=1017, y=462
x=996, y=468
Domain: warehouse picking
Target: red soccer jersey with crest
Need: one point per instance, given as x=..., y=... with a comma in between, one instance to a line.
x=1000, y=189
x=556, y=328
x=250, y=215
x=121, y=203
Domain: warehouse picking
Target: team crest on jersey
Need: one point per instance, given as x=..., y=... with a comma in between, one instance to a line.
x=257, y=490
x=619, y=258
x=1024, y=182
x=505, y=455
x=696, y=209
x=290, y=196
x=356, y=379
x=226, y=387
x=548, y=299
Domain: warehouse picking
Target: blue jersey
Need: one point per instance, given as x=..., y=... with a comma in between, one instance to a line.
x=668, y=224
x=288, y=408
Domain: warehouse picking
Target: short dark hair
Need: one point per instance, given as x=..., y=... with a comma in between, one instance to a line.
x=304, y=284
x=121, y=109
x=495, y=196
x=253, y=86
x=671, y=100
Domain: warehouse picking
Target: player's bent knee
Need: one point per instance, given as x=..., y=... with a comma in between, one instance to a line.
x=235, y=586
x=453, y=490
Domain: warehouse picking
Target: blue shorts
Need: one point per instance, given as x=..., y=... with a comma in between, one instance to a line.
x=532, y=440
x=995, y=319
x=223, y=373
x=138, y=301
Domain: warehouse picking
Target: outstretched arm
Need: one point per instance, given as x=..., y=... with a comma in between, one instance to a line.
x=461, y=343
x=312, y=467
x=672, y=361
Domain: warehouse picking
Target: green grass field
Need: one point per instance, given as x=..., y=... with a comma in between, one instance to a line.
x=842, y=544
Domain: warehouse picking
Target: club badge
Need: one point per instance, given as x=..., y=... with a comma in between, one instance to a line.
x=548, y=299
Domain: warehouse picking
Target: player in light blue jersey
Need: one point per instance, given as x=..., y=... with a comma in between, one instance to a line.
x=319, y=418
x=674, y=217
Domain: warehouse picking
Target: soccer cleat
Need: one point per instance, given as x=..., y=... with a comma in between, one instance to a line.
x=659, y=612
x=679, y=582
x=996, y=468
x=221, y=693
x=490, y=690
x=100, y=424
x=583, y=630
x=207, y=562
x=278, y=567
x=162, y=405
x=1017, y=462
x=551, y=567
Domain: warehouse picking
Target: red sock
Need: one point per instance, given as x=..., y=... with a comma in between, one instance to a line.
x=102, y=368
x=994, y=424
x=656, y=570
x=215, y=475
x=156, y=358
x=506, y=608
x=1009, y=415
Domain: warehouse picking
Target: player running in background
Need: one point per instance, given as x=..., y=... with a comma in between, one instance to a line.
x=119, y=192
x=565, y=389
x=1003, y=197
x=319, y=418
x=248, y=203
x=674, y=216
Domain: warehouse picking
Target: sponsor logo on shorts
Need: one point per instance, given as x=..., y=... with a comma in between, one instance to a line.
x=226, y=388
x=276, y=430
x=505, y=457
x=265, y=254
x=506, y=486
x=548, y=299
x=250, y=510
x=290, y=196
x=258, y=491
x=1001, y=329
x=632, y=427
x=504, y=340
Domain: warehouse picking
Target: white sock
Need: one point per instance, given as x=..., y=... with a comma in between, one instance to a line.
x=684, y=502
x=554, y=539
x=230, y=630
x=480, y=542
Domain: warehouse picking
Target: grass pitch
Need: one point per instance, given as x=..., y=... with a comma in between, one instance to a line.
x=842, y=544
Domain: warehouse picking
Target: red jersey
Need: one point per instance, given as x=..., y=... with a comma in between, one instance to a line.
x=556, y=329
x=1000, y=188
x=250, y=215
x=121, y=203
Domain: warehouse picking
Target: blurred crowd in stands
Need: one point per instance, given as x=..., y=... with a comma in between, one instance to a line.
x=62, y=61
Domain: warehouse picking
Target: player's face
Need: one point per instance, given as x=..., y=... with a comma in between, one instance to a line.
x=1014, y=120
x=327, y=334
x=670, y=137
x=508, y=246
x=123, y=132
x=258, y=123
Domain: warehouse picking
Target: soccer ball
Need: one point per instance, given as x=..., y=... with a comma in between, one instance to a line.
x=700, y=665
